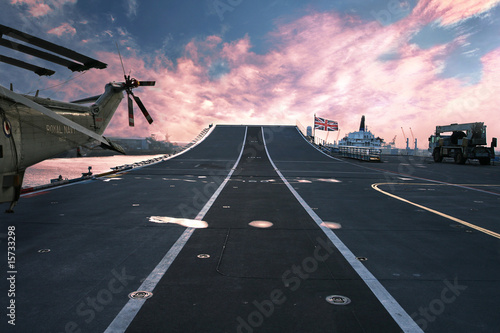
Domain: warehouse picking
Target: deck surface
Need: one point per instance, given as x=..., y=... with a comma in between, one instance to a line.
x=414, y=245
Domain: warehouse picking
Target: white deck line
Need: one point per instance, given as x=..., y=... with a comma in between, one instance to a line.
x=322, y=152
x=130, y=310
x=405, y=322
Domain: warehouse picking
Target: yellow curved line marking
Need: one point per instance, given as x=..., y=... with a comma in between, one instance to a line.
x=470, y=225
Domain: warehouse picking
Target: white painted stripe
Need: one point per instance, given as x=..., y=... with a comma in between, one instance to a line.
x=405, y=322
x=314, y=146
x=464, y=186
x=130, y=310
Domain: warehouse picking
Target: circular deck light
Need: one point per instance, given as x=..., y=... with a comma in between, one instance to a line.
x=261, y=224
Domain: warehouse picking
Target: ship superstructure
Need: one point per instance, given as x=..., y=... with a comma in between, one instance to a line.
x=361, y=138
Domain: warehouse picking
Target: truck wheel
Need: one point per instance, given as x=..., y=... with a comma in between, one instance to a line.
x=485, y=161
x=437, y=156
x=459, y=158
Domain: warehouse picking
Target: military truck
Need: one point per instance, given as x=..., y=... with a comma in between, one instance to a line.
x=464, y=141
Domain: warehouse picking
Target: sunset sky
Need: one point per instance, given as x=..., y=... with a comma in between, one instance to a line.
x=401, y=63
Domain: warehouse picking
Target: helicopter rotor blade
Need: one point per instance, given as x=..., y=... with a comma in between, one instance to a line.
x=128, y=85
x=130, y=111
x=143, y=109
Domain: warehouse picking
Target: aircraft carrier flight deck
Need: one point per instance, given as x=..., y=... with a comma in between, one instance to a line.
x=255, y=230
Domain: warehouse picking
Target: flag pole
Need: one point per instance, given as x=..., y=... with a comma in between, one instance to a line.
x=314, y=129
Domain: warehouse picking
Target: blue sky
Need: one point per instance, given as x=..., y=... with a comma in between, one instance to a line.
x=399, y=62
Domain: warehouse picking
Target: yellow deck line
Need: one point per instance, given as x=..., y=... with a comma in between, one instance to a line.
x=470, y=225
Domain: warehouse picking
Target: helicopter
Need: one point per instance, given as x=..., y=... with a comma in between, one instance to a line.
x=35, y=128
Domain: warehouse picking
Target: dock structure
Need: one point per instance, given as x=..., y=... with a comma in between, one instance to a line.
x=255, y=230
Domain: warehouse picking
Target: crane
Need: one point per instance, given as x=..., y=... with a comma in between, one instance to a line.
x=414, y=140
x=404, y=136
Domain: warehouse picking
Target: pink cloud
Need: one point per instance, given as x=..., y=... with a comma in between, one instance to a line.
x=38, y=8
x=452, y=11
x=321, y=64
x=63, y=29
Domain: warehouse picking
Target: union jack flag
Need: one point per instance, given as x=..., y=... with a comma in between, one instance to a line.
x=323, y=124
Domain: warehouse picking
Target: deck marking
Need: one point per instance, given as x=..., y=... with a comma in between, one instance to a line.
x=399, y=173
x=464, y=186
x=210, y=130
x=116, y=174
x=312, y=145
x=34, y=194
x=46, y=190
x=130, y=310
x=405, y=322
x=470, y=225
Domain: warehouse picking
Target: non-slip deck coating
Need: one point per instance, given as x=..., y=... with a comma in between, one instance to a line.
x=269, y=278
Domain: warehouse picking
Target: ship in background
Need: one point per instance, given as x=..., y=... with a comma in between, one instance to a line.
x=361, y=138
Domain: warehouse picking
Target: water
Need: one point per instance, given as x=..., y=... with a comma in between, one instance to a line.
x=70, y=168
